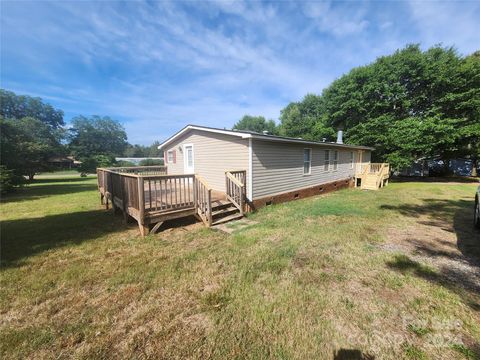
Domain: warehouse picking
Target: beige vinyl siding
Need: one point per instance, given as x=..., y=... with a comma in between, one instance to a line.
x=278, y=167
x=213, y=154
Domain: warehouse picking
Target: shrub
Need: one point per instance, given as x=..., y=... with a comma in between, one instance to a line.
x=123, y=163
x=151, y=162
x=89, y=165
x=9, y=180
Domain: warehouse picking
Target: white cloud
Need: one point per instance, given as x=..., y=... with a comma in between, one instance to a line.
x=158, y=66
x=341, y=21
x=453, y=23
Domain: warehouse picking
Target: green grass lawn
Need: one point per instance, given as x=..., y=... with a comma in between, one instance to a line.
x=313, y=278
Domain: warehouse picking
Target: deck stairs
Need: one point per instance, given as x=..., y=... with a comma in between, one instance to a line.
x=224, y=211
x=373, y=176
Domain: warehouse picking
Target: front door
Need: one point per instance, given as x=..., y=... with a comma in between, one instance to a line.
x=188, y=162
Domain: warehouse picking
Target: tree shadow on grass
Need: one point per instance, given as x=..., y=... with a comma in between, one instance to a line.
x=449, y=215
x=52, y=187
x=23, y=238
x=459, y=269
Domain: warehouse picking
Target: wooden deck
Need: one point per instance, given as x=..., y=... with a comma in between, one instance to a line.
x=151, y=196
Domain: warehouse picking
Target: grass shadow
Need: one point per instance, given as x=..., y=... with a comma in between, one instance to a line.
x=50, y=187
x=454, y=216
x=351, y=354
x=450, y=215
x=23, y=238
x=468, y=289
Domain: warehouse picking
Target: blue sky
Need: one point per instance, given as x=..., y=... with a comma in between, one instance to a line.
x=157, y=66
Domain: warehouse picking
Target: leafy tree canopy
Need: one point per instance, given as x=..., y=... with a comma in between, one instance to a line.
x=97, y=136
x=142, y=151
x=13, y=106
x=408, y=105
x=256, y=123
x=27, y=145
x=306, y=119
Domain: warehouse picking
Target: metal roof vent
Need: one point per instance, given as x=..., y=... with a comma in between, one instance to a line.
x=340, y=137
x=324, y=139
x=265, y=132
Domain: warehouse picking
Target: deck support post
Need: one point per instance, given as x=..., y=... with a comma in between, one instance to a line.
x=144, y=229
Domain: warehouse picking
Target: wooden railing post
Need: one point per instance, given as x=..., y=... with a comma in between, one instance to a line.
x=209, y=207
x=195, y=195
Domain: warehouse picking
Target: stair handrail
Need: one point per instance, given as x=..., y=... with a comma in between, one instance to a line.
x=367, y=169
x=203, y=199
x=380, y=175
x=235, y=191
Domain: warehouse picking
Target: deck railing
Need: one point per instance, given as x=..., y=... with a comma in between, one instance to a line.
x=235, y=188
x=168, y=192
x=372, y=168
x=203, y=200
x=148, y=193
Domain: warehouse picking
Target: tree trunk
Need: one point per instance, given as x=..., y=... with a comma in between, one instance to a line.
x=446, y=167
x=474, y=167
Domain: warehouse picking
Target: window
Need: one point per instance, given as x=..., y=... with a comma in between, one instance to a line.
x=307, y=161
x=189, y=156
x=352, y=160
x=335, y=160
x=170, y=156
x=327, y=160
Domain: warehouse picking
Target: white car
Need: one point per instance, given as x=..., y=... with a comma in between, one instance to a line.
x=476, y=216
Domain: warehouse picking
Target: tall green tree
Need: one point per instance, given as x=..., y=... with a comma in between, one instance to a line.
x=13, y=106
x=256, y=123
x=464, y=103
x=408, y=105
x=30, y=135
x=27, y=145
x=96, y=141
x=306, y=119
x=135, y=150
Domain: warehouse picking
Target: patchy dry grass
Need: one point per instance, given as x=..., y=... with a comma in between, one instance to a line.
x=314, y=278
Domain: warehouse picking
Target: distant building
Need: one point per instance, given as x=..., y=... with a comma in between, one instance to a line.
x=67, y=162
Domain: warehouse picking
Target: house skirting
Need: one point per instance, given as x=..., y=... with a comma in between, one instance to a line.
x=302, y=193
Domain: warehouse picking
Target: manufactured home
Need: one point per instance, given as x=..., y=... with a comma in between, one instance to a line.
x=217, y=174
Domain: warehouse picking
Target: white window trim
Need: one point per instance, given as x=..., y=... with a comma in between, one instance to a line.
x=185, y=158
x=250, y=170
x=352, y=159
x=168, y=154
x=310, y=162
x=334, y=161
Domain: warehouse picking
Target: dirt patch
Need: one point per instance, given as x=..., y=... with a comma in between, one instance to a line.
x=436, y=243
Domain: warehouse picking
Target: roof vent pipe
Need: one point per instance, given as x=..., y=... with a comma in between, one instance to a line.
x=340, y=137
